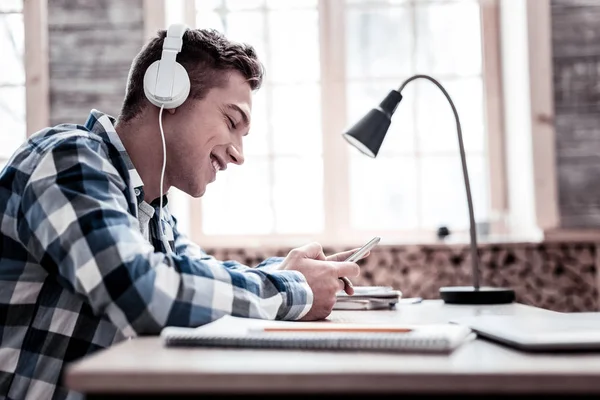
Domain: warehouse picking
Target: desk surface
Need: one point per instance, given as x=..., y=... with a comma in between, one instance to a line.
x=480, y=366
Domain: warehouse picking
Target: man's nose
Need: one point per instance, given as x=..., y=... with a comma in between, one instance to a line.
x=234, y=155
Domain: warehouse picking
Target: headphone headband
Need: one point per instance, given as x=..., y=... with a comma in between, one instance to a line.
x=171, y=47
x=174, y=39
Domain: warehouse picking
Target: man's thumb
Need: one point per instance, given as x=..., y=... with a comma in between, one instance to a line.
x=313, y=251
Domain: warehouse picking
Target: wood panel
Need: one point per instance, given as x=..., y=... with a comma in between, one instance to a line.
x=576, y=76
x=92, y=44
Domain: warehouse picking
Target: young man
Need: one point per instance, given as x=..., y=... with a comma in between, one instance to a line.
x=81, y=262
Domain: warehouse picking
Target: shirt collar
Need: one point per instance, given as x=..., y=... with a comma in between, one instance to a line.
x=104, y=126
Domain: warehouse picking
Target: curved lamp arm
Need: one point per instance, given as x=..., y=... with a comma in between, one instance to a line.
x=368, y=134
x=473, y=233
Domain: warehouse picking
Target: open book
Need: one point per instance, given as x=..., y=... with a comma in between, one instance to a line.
x=231, y=331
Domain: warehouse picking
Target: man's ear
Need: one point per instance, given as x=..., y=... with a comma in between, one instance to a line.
x=172, y=110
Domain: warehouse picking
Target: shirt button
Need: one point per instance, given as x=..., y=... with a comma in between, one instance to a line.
x=137, y=192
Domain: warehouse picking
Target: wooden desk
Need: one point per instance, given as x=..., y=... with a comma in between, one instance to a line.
x=144, y=366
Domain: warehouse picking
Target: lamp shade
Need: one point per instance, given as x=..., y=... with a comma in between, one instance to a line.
x=368, y=133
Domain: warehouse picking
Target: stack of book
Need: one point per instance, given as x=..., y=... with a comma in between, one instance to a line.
x=368, y=298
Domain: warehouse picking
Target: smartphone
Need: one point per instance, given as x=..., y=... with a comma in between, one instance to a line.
x=358, y=254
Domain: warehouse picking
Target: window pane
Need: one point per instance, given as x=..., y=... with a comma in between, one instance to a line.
x=12, y=119
x=248, y=27
x=370, y=2
x=449, y=38
x=363, y=96
x=379, y=42
x=436, y=122
x=174, y=11
x=245, y=27
x=244, y=4
x=294, y=38
x=286, y=120
x=11, y=5
x=296, y=120
x=210, y=20
x=443, y=195
x=383, y=193
x=11, y=43
x=239, y=189
x=257, y=141
x=298, y=194
x=274, y=4
x=204, y=5
x=179, y=206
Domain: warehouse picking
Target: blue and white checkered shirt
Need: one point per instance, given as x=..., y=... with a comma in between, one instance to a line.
x=78, y=272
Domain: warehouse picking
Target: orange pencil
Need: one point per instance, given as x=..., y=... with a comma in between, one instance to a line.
x=373, y=329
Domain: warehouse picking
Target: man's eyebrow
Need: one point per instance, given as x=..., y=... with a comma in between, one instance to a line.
x=245, y=117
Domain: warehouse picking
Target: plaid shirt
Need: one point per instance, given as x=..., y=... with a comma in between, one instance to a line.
x=77, y=273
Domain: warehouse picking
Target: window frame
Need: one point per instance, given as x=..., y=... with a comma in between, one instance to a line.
x=37, y=84
x=335, y=165
x=35, y=61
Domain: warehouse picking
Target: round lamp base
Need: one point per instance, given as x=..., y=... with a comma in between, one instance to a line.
x=471, y=295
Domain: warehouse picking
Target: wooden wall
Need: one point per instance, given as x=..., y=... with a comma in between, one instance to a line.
x=576, y=63
x=91, y=46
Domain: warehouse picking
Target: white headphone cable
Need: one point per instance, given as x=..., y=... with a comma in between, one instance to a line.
x=162, y=178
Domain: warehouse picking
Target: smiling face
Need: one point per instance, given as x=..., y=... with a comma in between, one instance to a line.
x=203, y=136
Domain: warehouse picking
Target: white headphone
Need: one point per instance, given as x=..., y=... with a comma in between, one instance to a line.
x=166, y=82
x=167, y=85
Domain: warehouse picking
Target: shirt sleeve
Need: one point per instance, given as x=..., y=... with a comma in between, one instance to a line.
x=185, y=246
x=76, y=224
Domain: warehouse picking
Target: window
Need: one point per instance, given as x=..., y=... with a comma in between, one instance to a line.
x=327, y=63
x=419, y=177
x=282, y=180
x=12, y=79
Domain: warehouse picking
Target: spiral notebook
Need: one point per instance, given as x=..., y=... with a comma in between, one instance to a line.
x=234, y=332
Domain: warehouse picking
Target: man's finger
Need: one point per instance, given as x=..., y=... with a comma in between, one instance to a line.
x=349, y=290
x=348, y=286
x=313, y=251
x=343, y=256
x=347, y=269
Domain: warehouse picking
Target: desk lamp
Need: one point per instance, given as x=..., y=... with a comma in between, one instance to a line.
x=367, y=136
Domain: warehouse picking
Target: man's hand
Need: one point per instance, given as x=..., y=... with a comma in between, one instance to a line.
x=343, y=256
x=322, y=274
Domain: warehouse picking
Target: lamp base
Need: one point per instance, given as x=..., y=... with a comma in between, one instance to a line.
x=471, y=295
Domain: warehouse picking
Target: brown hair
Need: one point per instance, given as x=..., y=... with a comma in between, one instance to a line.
x=206, y=55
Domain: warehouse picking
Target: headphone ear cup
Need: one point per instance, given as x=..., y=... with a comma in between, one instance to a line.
x=150, y=78
x=180, y=89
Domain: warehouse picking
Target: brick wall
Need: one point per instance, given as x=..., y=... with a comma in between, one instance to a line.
x=559, y=276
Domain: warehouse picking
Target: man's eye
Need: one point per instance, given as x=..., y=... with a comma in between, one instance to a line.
x=231, y=123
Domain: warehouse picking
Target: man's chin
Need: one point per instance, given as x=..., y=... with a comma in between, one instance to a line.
x=198, y=193
x=195, y=192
